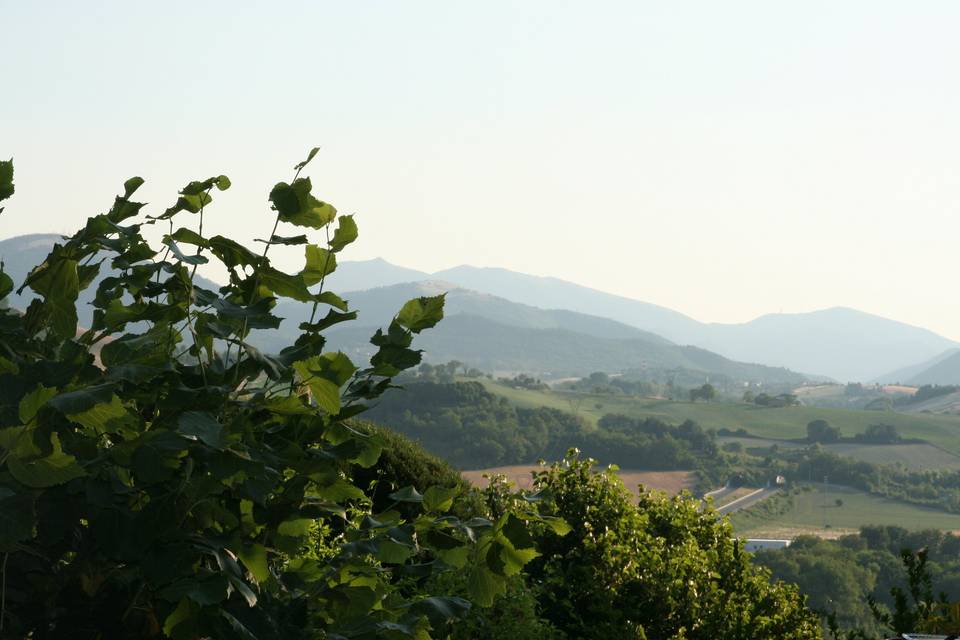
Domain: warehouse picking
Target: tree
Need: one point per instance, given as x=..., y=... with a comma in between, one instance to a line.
x=705, y=392
x=663, y=568
x=189, y=485
x=821, y=431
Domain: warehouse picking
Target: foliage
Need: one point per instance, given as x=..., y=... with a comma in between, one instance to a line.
x=662, y=568
x=703, y=392
x=821, y=431
x=472, y=428
x=879, y=434
x=188, y=485
x=867, y=584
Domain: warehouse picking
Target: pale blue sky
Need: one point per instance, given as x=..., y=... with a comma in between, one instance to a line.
x=725, y=159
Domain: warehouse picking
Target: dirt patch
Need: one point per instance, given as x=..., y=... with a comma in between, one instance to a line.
x=670, y=482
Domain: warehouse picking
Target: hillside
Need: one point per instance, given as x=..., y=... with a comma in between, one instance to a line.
x=840, y=343
x=944, y=371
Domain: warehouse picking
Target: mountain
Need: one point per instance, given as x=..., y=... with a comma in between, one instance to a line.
x=840, y=343
x=845, y=344
x=22, y=253
x=942, y=370
x=495, y=334
x=904, y=374
x=358, y=275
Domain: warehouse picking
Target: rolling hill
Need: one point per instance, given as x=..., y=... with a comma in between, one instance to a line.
x=498, y=335
x=944, y=369
x=839, y=343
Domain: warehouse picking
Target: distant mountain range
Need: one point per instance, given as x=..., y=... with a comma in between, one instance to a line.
x=942, y=369
x=576, y=329
x=840, y=343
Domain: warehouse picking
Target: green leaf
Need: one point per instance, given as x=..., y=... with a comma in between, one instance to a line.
x=345, y=234
x=81, y=400
x=254, y=557
x=324, y=375
x=286, y=240
x=421, y=313
x=223, y=183
x=439, y=498
x=30, y=404
x=6, y=285
x=6, y=179
x=296, y=528
x=392, y=552
x=295, y=204
x=285, y=285
x=56, y=468
x=300, y=165
x=440, y=611
x=131, y=185
x=184, y=611
x=206, y=591
x=517, y=533
x=181, y=256
x=483, y=586
x=200, y=425
x=232, y=253
x=106, y=417
x=558, y=525
x=406, y=494
x=16, y=519
x=320, y=263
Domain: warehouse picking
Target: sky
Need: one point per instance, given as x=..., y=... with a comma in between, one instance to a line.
x=725, y=160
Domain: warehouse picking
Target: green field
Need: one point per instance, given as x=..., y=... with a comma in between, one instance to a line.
x=916, y=457
x=778, y=423
x=808, y=514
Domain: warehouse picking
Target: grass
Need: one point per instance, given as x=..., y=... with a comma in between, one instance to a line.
x=778, y=423
x=806, y=513
x=916, y=457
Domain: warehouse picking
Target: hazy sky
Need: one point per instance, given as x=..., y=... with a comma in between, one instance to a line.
x=725, y=159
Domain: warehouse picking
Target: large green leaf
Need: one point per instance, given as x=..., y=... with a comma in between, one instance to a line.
x=345, y=234
x=30, y=404
x=106, y=417
x=295, y=204
x=201, y=425
x=56, y=468
x=324, y=375
x=6, y=179
x=320, y=264
x=421, y=313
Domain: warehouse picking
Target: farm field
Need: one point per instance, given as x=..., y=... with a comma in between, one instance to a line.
x=765, y=422
x=915, y=456
x=808, y=514
x=670, y=482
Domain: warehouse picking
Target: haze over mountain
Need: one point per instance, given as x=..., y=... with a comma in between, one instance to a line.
x=844, y=344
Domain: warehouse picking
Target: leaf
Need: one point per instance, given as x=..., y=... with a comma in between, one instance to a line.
x=392, y=552
x=516, y=532
x=483, y=586
x=296, y=528
x=295, y=204
x=181, y=256
x=184, y=611
x=421, y=313
x=82, y=400
x=285, y=285
x=345, y=234
x=16, y=519
x=254, y=557
x=30, y=404
x=232, y=253
x=131, y=185
x=406, y=494
x=558, y=525
x=202, y=426
x=300, y=165
x=223, y=183
x=286, y=240
x=106, y=417
x=320, y=264
x=50, y=471
x=440, y=611
x=324, y=375
x=6, y=179
x=6, y=285
x=206, y=591
x=439, y=498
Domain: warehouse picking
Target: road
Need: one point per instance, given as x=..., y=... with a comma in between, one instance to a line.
x=748, y=500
